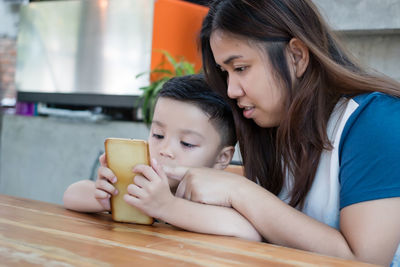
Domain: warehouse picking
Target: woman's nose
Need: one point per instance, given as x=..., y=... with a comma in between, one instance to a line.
x=234, y=89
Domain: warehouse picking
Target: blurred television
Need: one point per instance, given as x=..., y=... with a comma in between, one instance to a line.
x=84, y=52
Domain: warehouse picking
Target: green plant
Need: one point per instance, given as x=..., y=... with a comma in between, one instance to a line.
x=180, y=67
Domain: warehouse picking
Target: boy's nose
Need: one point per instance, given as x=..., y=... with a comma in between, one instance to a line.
x=166, y=152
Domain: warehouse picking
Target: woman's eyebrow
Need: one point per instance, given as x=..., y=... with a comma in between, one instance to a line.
x=229, y=59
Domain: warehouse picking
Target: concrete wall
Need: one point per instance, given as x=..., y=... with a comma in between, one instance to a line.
x=356, y=15
x=370, y=30
x=378, y=51
x=41, y=156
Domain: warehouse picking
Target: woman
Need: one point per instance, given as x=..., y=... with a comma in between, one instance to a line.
x=319, y=135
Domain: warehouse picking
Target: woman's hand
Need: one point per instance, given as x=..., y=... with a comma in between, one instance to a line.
x=150, y=192
x=104, y=184
x=205, y=185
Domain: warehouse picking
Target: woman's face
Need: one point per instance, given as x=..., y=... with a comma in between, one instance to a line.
x=251, y=80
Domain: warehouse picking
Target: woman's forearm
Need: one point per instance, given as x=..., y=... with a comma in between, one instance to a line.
x=284, y=225
x=369, y=230
x=209, y=219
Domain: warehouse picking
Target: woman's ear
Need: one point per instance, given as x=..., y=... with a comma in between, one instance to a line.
x=299, y=56
x=224, y=157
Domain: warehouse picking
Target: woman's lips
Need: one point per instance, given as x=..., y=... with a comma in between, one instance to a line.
x=248, y=112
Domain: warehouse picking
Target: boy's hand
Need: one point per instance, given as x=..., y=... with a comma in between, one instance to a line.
x=104, y=187
x=150, y=191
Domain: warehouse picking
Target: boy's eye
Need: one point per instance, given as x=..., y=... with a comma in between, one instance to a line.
x=187, y=144
x=158, y=136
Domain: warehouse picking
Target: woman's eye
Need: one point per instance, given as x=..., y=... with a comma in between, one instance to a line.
x=187, y=144
x=240, y=69
x=158, y=136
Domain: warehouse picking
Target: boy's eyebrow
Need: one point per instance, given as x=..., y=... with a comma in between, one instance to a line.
x=158, y=123
x=229, y=59
x=184, y=131
x=187, y=131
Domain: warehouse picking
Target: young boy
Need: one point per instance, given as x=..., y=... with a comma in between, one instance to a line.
x=192, y=126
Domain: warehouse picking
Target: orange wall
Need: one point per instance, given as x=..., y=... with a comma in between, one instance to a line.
x=176, y=28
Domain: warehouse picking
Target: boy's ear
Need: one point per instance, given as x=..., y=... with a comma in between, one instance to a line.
x=224, y=157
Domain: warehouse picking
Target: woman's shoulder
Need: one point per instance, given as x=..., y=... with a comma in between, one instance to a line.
x=371, y=110
x=358, y=119
x=373, y=123
x=377, y=99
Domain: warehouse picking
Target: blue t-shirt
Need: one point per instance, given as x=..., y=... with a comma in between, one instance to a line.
x=369, y=150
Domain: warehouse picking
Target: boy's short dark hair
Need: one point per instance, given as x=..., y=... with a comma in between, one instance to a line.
x=194, y=89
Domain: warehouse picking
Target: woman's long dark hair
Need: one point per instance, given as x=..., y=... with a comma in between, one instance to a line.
x=295, y=146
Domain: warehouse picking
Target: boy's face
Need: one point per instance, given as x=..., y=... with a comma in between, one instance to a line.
x=182, y=135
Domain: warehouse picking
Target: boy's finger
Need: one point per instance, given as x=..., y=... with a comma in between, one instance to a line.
x=104, y=185
x=134, y=191
x=140, y=181
x=176, y=173
x=106, y=173
x=133, y=201
x=101, y=194
x=102, y=159
x=146, y=171
x=159, y=170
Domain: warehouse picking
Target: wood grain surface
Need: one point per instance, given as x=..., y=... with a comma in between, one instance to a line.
x=34, y=233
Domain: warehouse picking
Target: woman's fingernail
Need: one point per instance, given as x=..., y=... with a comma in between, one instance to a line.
x=153, y=161
x=115, y=192
x=114, y=179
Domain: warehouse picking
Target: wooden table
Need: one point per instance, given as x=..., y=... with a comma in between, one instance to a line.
x=34, y=233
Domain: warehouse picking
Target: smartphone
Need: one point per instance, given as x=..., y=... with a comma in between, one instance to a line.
x=122, y=155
